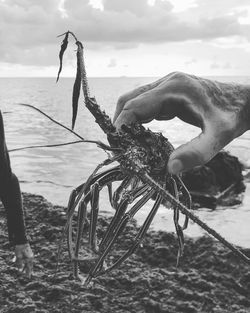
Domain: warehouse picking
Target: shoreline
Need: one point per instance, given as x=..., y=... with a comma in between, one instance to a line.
x=209, y=278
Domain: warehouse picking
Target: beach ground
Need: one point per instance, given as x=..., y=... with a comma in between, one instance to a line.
x=209, y=278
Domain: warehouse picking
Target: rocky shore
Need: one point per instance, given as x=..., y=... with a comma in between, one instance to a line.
x=209, y=279
x=218, y=182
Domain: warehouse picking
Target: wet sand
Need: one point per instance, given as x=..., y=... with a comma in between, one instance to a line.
x=209, y=278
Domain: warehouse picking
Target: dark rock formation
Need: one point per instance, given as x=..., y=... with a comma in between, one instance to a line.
x=220, y=181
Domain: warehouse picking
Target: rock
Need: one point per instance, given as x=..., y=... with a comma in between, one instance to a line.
x=220, y=181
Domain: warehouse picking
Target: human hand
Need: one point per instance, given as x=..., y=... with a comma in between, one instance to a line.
x=24, y=258
x=219, y=109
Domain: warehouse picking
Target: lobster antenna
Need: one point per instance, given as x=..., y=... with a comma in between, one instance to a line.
x=46, y=146
x=98, y=143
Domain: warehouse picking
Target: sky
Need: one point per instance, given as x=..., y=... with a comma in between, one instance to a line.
x=126, y=37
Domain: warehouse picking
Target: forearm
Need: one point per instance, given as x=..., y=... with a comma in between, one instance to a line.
x=11, y=197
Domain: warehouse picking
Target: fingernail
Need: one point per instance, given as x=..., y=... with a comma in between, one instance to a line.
x=175, y=166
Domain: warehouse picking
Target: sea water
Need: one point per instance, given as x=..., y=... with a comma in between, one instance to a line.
x=54, y=172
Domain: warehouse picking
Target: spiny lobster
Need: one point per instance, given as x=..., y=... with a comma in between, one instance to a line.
x=142, y=156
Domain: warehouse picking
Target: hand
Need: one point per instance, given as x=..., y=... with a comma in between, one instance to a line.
x=24, y=258
x=219, y=109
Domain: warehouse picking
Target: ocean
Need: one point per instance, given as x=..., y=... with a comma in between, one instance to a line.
x=54, y=172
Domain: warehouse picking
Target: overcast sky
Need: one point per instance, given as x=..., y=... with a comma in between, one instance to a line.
x=126, y=37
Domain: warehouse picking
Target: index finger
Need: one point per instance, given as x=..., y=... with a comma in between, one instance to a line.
x=143, y=108
x=133, y=94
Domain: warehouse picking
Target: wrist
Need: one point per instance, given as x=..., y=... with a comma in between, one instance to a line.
x=20, y=241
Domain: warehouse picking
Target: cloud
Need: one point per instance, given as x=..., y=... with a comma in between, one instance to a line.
x=226, y=66
x=28, y=28
x=137, y=22
x=214, y=65
x=138, y=7
x=190, y=62
x=112, y=63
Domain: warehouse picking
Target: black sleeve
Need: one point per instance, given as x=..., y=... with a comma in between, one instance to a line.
x=10, y=195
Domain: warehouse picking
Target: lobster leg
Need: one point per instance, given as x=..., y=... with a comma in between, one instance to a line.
x=178, y=228
x=147, y=194
x=119, y=215
x=129, y=215
x=188, y=200
x=71, y=202
x=92, y=196
x=113, y=171
x=138, y=239
x=74, y=201
x=122, y=206
x=123, y=186
x=107, y=179
x=86, y=186
x=135, y=183
x=117, y=223
x=109, y=185
x=93, y=216
x=122, y=223
x=121, y=209
x=82, y=216
x=72, y=198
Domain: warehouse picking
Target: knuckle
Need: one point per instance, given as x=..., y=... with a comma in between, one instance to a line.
x=130, y=109
x=121, y=101
x=178, y=75
x=129, y=104
x=135, y=104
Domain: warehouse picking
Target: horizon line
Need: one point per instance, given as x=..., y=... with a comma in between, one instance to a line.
x=121, y=76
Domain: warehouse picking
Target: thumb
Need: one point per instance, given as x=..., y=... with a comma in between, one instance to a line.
x=197, y=152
